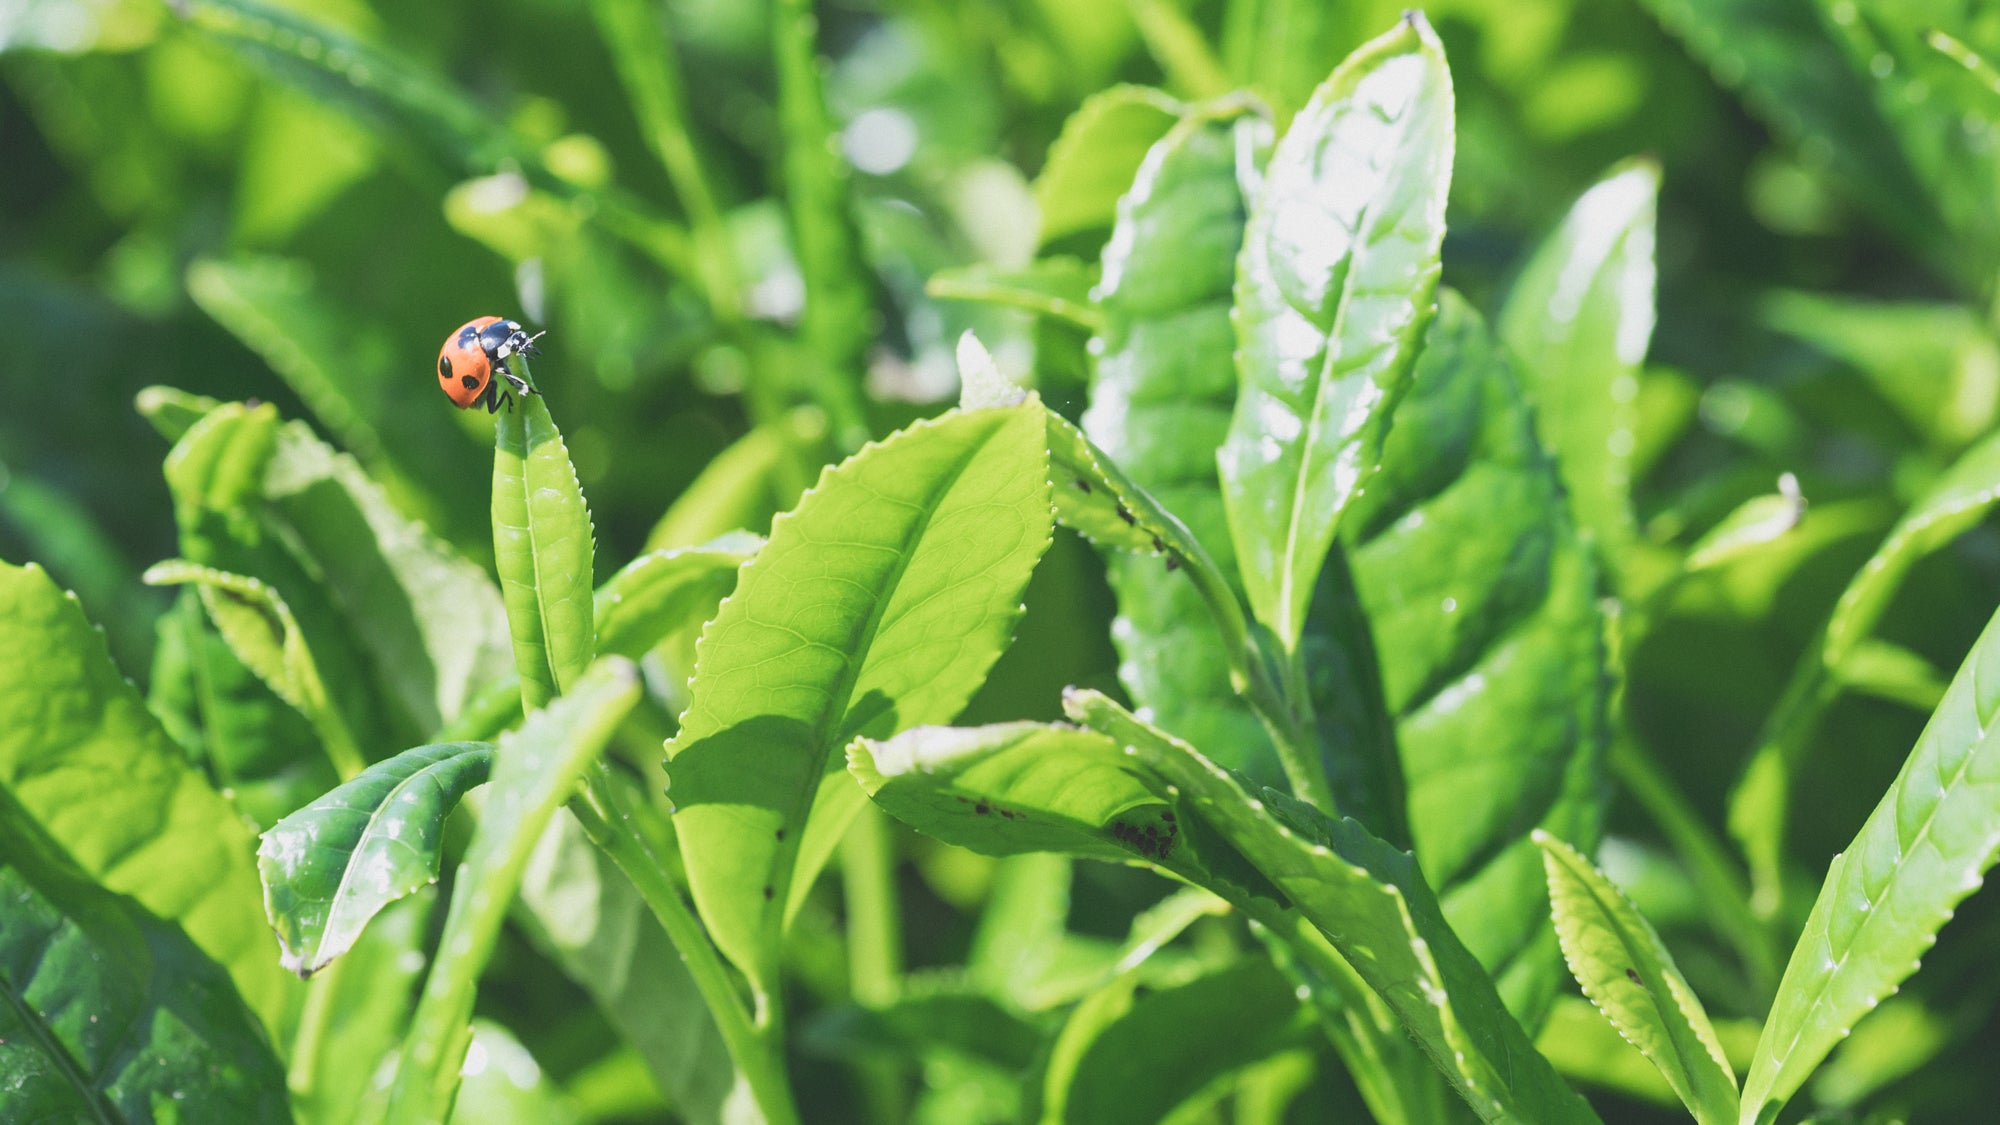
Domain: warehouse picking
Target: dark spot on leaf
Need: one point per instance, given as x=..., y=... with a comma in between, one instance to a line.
x=982, y=808
x=769, y=894
x=1158, y=545
x=1127, y=516
x=1083, y=486
x=1148, y=840
x=1633, y=976
x=781, y=835
x=1173, y=562
x=1010, y=814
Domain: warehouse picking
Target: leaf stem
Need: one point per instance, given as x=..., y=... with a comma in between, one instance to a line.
x=609, y=827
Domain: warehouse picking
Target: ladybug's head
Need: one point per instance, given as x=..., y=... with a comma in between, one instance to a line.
x=504, y=338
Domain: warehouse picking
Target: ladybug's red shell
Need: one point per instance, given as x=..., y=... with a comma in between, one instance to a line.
x=464, y=370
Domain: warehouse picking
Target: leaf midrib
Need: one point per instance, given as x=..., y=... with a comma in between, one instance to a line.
x=52, y=1045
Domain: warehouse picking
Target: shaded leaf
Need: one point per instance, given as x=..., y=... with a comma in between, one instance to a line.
x=1339, y=269
x=1627, y=972
x=1580, y=317
x=663, y=591
x=1926, y=846
x=542, y=549
x=535, y=770
x=108, y=1013
x=81, y=755
x=879, y=602
x=330, y=867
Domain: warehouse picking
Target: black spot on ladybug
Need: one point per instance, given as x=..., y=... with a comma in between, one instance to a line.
x=769, y=894
x=469, y=381
x=1083, y=486
x=1127, y=516
x=1633, y=976
x=444, y=367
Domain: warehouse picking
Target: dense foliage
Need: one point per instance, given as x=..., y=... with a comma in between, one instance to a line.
x=1116, y=561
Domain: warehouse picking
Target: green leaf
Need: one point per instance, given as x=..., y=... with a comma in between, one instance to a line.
x=332, y=866
x=1957, y=503
x=535, y=770
x=108, y=1013
x=1580, y=317
x=1094, y=159
x=1139, y=795
x=757, y=477
x=1160, y=401
x=542, y=549
x=1126, y=1057
x=1627, y=972
x=1754, y=523
x=1926, y=846
x=1491, y=655
x=81, y=755
x=1058, y=288
x=364, y=999
x=667, y=590
x=402, y=630
x=172, y=411
x=579, y=909
x=260, y=629
x=1339, y=269
x=879, y=603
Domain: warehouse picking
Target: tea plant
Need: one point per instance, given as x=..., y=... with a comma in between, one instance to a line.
x=778, y=821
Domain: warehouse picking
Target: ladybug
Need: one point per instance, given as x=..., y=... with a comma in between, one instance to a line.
x=478, y=351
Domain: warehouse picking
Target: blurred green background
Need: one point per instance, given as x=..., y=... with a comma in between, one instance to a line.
x=296, y=204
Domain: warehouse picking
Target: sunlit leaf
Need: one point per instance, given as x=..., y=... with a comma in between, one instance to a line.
x=542, y=547
x=1092, y=163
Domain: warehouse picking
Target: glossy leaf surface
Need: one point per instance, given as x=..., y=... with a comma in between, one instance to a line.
x=1579, y=319
x=108, y=1013
x=80, y=754
x=1490, y=647
x=1627, y=972
x=879, y=603
x=330, y=867
x=542, y=548
x=1926, y=846
x=1339, y=269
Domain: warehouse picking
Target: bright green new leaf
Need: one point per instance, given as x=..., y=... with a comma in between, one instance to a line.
x=535, y=770
x=1339, y=269
x=1627, y=972
x=80, y=754
x=1092, y=162
x=1957, y=503
x=1926, y=846
x=879, y=603
x=1127, y=792
x=1160, y=400
x=663, y=591
x=108, y=1013
x=1754, y=523
x=172, y=411
x=1490, y=647
x=332, y=866
x=542, y=548
x=1579, y=319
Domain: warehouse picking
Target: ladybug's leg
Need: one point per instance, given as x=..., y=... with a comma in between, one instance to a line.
x=493, y=396
x=513, y=380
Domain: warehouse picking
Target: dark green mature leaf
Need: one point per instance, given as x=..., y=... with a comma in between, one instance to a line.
x=1926, y=846
x=535, y=771
x=80, y=754
x=108, y=1013
x=1134, y=1058
x=1627, y=972
x=878, y=603
x=1958, y=502
x=1137, y=794
x=332, y=866
x=1340, y=265
x=1579, y=318
x=1161, y=397
x=1091, y=164
x=1491, y=653
x=542, y=548
x=666, y=590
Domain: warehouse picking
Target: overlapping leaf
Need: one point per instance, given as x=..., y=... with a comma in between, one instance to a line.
x=878, y=603
x=1340, y=265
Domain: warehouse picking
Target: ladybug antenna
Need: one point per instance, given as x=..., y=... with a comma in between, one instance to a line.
x=528, y=347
